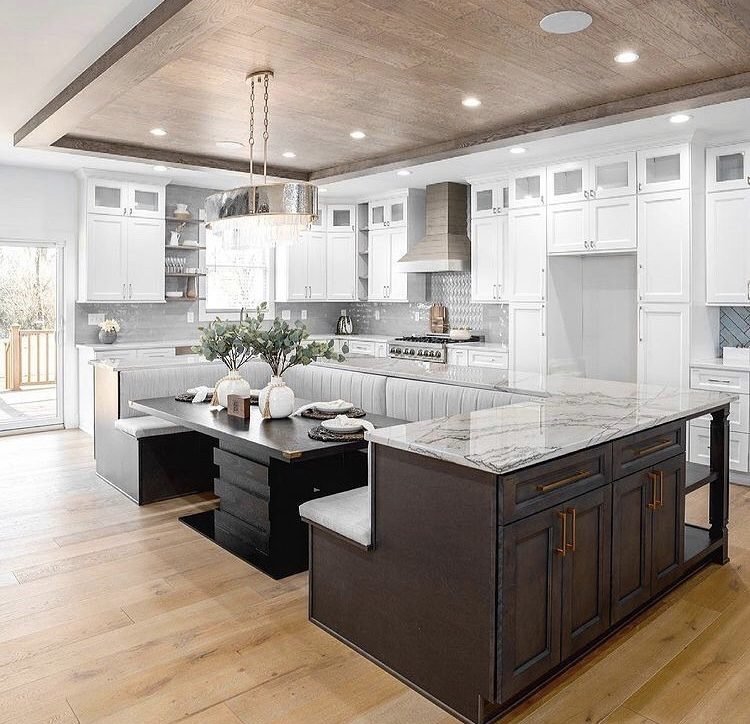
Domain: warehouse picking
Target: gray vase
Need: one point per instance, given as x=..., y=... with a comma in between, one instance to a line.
x=107, y=337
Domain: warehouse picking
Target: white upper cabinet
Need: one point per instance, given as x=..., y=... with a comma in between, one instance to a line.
x=664, y=345
x=388, y=212
x=341, y=218
x=728, y=168
x=145, y=259
x=528, y=188
x=728, y=247
x=379, y=265
x=125, y=198
x=612, y=176
x=664, y=247
x=568, y=228
x=568, y=182
x=664, y=169
x=341, y=262
x=316, y=266
x=527, y=254
x=612, y=224
x=489, y=199
x=301, y=269
x=488, y=249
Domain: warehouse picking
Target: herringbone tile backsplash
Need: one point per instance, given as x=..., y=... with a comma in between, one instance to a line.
x=734, y=327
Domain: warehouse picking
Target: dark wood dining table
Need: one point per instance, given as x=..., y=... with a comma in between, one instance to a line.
x=265, y=470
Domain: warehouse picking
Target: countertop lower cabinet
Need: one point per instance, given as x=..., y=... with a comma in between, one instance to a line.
x=555, y=590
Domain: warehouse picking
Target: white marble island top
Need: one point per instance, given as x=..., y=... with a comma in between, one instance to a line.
x=576, y=414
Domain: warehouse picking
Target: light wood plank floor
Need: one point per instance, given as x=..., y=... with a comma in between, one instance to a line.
x=114, y=613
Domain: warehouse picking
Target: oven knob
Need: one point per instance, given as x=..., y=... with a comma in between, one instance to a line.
x=420, y=352
x=397, y=350
x=411, y=351
x=428, y=353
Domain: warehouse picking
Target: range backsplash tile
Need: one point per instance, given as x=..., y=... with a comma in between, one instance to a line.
x=734, y=327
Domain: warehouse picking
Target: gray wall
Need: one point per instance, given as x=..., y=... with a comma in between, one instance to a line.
x=153, y=322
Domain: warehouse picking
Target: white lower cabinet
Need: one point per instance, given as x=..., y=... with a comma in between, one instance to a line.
x=527, y=254
x=357, y=346
x=699, y=447
x=458, y=357
x=487, y=358
x=527, y=338
x=663, y=344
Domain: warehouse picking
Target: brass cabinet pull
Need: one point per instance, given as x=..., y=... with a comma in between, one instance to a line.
x=660, y=500
x=653, y=477
x=564, y=539
x=565, y=481
x=572, y=544
x=654, y=448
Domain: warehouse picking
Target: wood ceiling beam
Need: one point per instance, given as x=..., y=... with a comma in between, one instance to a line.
x=162, y=36
x=130, y=152
x=718, y=90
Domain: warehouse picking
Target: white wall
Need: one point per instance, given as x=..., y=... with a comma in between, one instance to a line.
x=42, y=205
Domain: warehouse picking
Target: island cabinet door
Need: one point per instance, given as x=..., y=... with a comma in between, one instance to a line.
x=632, y=497
x=668, y=522
x=532, y=571
x=586, y=570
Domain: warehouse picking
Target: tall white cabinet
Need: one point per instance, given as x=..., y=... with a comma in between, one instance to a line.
x=122, y=240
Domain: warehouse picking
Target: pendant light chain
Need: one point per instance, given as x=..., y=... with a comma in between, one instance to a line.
x=265, y=128
x=251, y=140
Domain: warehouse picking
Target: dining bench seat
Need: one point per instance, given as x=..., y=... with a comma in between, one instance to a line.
x=147, y=426
x=346, y=514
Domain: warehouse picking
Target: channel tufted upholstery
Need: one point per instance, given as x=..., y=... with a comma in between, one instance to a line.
x=328, y=383
x=419, y=400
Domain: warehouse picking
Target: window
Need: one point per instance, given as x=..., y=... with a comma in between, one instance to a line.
x=239, y=273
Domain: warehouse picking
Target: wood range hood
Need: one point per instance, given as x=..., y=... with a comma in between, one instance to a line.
x=445, y=247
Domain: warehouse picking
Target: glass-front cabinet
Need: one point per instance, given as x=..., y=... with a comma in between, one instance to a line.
x=663, y=169
x=612, y=176
x=728, y=168
x=528, y=188
x=567, y=182
x=107, y=197
x=341, y=218
x=145, y=200
x=125, y=198
x=388, y=212
x=489, y=199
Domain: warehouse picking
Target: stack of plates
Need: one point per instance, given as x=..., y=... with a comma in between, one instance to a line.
x=343, y=425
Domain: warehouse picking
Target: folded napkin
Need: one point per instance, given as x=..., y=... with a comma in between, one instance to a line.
x=201, y=393
x=366, y=424
x=341, y=404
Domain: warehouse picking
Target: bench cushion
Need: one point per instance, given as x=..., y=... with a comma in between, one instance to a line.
x=329, y=383
x=147, y=426
x=418, y=400
x=347, y=514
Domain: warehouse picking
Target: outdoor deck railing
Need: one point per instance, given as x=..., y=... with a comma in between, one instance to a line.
x=30, y=357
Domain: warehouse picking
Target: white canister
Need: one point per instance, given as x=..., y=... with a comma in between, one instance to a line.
x=232, y=384
x=276, y=399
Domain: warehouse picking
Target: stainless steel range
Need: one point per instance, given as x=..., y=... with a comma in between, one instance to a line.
x=428, y=347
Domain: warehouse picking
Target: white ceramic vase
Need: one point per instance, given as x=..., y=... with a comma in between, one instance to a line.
x=233, y=384
x=276, y=399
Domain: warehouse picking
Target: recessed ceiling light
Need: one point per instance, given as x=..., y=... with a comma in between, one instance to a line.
x=289, y=154
x=229, y=144
x=160, y=169
x=403, y=172
x=158, y=132
x=471, y=102
x=679, y=118
x=322, y=191
x=357, y=135
x=565, y=21
x=627, y=56
x=518, y=149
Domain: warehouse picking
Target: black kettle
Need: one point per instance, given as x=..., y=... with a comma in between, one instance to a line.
x=344, y=325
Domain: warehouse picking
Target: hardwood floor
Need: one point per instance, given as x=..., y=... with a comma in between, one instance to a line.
x=114, y=613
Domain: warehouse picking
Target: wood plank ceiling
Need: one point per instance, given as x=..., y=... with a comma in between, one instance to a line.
x=398, y=70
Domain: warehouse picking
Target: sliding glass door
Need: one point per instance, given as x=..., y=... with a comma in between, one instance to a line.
x=30, y=334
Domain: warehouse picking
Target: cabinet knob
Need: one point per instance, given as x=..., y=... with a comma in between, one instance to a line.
x=592, y=193
x=585, y=245
x=640, y=186
x=585, y=194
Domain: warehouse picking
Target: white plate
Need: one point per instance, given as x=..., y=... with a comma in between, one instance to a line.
x=174, y=295
x=342, y=424
x=334, y=406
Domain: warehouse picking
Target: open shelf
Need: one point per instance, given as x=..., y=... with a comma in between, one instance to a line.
x=184, y=274
x=698, y=543
x=184, y=221
x=184, y=299
x=696, y=476
x=184, y=248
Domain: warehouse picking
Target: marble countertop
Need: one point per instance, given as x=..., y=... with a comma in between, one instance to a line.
x=576, y=414
x=152, y=364
x=719, y=364
x=127, y=344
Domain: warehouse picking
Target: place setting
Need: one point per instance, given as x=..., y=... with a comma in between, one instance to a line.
x=340, y=421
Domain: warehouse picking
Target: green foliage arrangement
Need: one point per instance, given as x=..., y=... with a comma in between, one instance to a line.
x=281, y=345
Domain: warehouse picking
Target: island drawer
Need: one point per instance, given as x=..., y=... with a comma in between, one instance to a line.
x=548, y=484
x=644, y=449
x=242, y=472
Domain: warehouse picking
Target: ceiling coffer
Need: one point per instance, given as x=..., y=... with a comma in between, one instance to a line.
x=445, y=246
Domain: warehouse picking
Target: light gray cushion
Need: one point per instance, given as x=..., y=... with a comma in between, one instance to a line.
x=147, y=426
x=329, y=383
x=418, y=400
x=347, y=514
x=143, y=384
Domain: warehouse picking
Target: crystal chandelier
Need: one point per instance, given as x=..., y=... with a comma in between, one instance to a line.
x=263, y=214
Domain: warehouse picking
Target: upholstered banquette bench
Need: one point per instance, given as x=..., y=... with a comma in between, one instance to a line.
x=150, y=459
